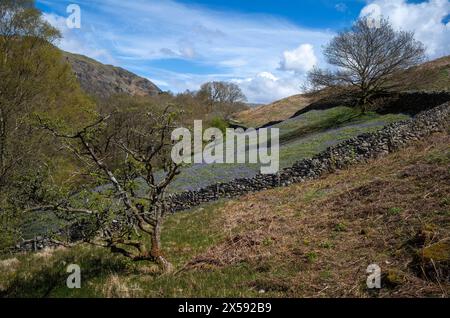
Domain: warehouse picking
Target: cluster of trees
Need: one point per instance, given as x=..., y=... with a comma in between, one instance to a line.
x=34, y=80
x=219, y=96
x=101, y=165
x=214, y=100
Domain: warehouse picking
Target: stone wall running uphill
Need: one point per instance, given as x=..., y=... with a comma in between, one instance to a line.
x=358, y=149
x=355, y=150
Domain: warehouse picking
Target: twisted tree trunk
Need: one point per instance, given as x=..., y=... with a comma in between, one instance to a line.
x=156, y=252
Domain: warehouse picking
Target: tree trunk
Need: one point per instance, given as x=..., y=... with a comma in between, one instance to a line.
x=362, y=103
x=156, y=252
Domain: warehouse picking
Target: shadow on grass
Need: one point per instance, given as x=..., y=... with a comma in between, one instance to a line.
x=40, y=277
x=333, y=121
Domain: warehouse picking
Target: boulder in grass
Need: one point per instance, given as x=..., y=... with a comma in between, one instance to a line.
x=435, y=261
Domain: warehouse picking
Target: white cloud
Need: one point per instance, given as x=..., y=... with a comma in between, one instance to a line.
x=300, y=60
x=138, y=35
x=223, y=45
x=266, y=84
x=268, y=76
x=425, y=19
x=71, y=42
x=186, y=49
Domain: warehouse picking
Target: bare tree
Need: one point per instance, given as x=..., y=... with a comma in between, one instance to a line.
x=125, y=211
x=221, y=93
x=365, y=59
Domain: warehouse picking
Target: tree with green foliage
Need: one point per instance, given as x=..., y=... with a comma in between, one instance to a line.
x=220, y=123
x=103, y=171
x=34, y=79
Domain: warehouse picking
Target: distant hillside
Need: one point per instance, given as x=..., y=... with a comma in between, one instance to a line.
x=430, y=76
x=102, y=80
x=277, y=111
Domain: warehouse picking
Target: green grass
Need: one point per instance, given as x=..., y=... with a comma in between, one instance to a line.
x=314, y=143
x=184, y=235
x=305, y=253
x=438, y=157
x=301, y=137
x=311, y=257
x=226, y=282
x=190, y=233
x=41, y=276
x=340, y=227
x=316, y=121
x=308, y=135
x=394, y=211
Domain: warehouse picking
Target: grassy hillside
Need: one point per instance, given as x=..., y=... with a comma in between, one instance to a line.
x=277, y=111
x=430, y=76
x=308, y=240
x=301, y=137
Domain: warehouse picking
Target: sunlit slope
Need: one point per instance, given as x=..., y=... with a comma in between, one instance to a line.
x=300, y=137
x=314, y=239
x=277, y=111
x=430, y=76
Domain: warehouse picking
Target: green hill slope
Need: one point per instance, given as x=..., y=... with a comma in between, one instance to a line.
x=314, y=239
x=301, y=137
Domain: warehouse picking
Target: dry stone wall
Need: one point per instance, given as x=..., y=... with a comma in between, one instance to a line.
x=358, y=149
x=355, y=150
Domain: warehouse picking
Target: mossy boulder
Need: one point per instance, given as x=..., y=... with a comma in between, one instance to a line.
x=439, y=252
x=434, y=260
x=393, y=278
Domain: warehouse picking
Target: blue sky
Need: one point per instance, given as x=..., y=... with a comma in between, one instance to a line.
x=265, y=46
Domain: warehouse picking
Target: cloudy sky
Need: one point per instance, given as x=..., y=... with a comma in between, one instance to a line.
x=265, y=46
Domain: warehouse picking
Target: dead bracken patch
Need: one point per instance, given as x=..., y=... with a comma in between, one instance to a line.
x=417, y=194
x=423, y=171
x=116, y=287
x=9, y=265
x=385, y=212
x=233, y=250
